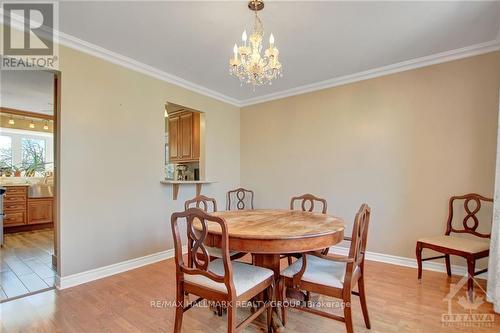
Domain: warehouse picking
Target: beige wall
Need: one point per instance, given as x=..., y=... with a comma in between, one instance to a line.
x=113, y=207
x=403, y=143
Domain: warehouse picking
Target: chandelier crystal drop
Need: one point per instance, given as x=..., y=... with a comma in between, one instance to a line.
x=248, y=63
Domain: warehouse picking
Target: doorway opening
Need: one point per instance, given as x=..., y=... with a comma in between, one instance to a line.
x=28, y=160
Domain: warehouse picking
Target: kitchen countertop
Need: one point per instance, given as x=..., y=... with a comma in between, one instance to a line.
x=171, y=181
x=35, y=190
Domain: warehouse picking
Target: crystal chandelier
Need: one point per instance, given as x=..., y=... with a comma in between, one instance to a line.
x=247, y=64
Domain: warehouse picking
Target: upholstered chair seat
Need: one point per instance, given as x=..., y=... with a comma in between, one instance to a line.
x=245, y=276
x=319, y=271
x=458, y=243
x=217, y=253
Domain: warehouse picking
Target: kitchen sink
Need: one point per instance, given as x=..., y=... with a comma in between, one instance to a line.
x=40, y=191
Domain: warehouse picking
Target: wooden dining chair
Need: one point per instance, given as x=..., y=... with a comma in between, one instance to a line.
x=219, y=280
x=203, y=202
x=306, y=202
x=209, y=205
x=470, y=248
x=240, y=199
x=243, y=199
x=332, y=275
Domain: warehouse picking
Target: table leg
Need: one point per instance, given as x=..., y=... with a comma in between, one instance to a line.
x=272, y=262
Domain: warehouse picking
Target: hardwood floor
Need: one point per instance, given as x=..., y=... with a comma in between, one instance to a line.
x=134, y=302
x=26, y=263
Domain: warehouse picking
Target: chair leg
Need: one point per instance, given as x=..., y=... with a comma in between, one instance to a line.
x=418, y=253
x=362, y=299
x=281, y=299
x=448, y=265
x=179, y=309
x=348, y=315
x=471, y=268
x=289, y=260
x=269, y=298
x=231, y=318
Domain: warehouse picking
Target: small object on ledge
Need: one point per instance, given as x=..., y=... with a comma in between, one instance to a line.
x=181, y=171
x=176, y=184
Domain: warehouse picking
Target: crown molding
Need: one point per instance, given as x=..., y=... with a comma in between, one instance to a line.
x=75, y=43
x=119, y=59
x=437, y=58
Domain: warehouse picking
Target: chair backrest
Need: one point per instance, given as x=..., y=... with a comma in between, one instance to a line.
x=470, y=214
x=197, y=230
x=359, y=237
x=203, y=202
x=308, y=199
x=240, y=196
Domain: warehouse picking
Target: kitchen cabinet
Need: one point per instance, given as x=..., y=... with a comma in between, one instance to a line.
x=14, y=206
x=184, y=136
x=24, y=213
x=40, y=210
x=173, y=137
x=12, y=219
x=186, y=144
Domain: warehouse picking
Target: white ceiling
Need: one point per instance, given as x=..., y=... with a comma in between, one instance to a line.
x=27, y=91
x=318, y=40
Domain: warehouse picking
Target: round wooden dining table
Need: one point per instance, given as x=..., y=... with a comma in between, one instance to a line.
x=269, y=233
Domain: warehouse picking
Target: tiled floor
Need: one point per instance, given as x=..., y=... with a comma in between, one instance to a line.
x=26, y=263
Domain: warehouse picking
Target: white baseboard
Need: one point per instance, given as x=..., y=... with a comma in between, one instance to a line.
x=410, y=262
x=102, y=272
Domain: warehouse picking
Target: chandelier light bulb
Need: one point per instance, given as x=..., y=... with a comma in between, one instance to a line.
x=271, y=40
x=32, y=124
x=235, y=51
x=244, y=36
